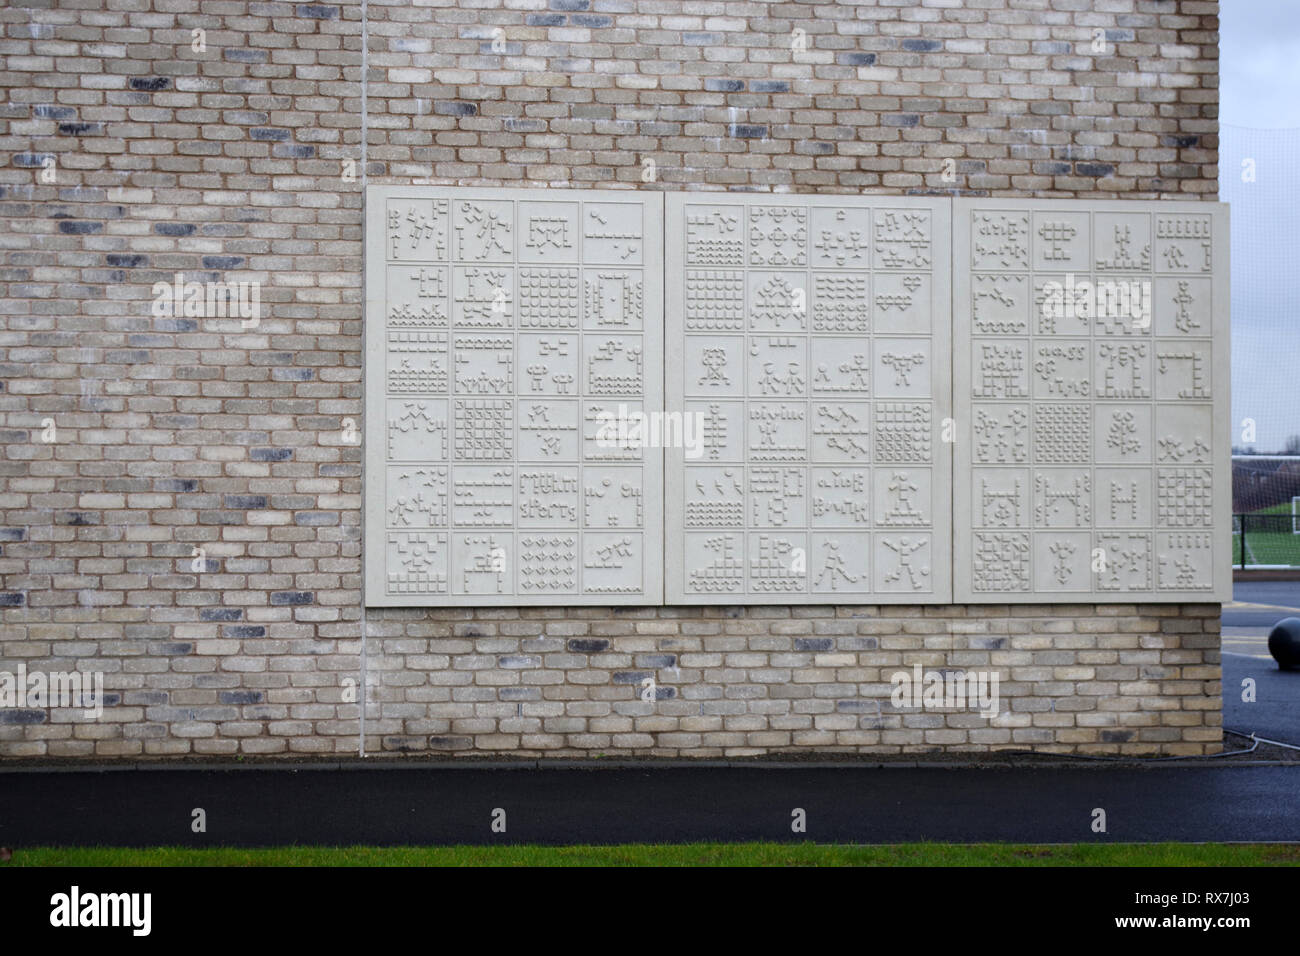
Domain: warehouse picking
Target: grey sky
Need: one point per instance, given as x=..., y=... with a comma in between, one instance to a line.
x=1260, y=135
x=1259, y=63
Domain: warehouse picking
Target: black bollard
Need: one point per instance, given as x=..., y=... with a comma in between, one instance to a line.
x=1284, y=643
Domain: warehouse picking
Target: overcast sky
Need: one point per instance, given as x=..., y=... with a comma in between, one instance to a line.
x=1260, y=118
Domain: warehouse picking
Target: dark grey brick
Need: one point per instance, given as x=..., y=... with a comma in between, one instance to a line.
x=240, y=697
x=919, y=45
x=1050, y=168
x=31, y=160
x=746, y=131
x=283, y=598
x=12, y=598
x=315, y=11
x=74, y=228
x=545, y=19
x=717, y=84
x=270, y=454
x=814, y=643
x=1094, y=169
x=14, y=716
x=454, y=108
x=150, y=84
x=855, y=58
x=580, y=645
x=171, y=649
x=243, y=501
x=221, y=613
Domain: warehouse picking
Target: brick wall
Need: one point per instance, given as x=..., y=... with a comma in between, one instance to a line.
x=191, y=525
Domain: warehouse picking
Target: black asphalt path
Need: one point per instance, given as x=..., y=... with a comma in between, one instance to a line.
x=1275, y=711
x=430, y=806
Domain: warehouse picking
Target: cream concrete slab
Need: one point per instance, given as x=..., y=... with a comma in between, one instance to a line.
x=807, y=347
x=508, y=334
x=1090, y=371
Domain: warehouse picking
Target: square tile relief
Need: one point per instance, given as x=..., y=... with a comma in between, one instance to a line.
x=807, y=345
x=508, y=332
x=1091, y=374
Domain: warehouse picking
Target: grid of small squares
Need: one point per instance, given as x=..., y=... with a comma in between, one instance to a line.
x=790, y=315
x=1091, y=401
x=529, y=346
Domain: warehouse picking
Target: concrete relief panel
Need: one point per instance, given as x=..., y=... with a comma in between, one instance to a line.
x=513, y=339
x=1091, y=367
x=808, y=367
x=527, y=442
